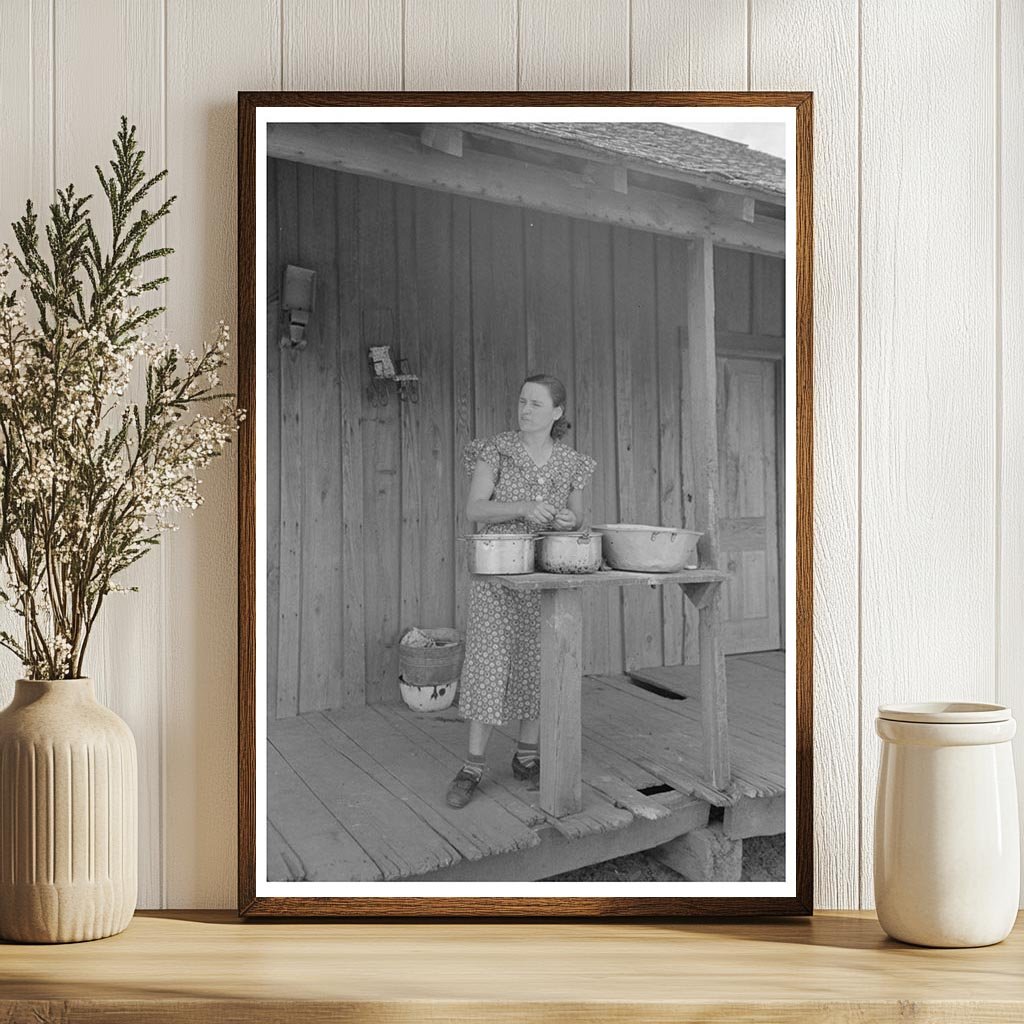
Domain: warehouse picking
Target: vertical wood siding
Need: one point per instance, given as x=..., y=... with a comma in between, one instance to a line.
x=534, y=305
x=918, y=226
x=275, y=500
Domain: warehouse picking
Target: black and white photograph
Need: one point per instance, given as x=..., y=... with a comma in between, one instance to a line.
x=525, y=482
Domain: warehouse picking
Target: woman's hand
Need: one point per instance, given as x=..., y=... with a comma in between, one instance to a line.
x=565, y=519
x=540, y=513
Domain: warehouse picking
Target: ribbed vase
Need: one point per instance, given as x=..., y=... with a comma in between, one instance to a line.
x=68, y=815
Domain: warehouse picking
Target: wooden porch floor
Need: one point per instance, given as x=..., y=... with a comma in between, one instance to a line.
x=359, y=795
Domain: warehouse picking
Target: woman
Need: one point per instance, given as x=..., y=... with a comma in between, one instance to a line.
x=522, y=481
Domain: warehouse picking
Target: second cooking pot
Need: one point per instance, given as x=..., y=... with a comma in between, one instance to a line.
x=576, y=552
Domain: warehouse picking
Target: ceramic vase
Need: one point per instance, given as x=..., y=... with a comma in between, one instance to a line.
x=68, y=815
x=947, y=847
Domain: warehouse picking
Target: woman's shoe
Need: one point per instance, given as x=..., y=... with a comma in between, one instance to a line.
x=463, y=786
x=528, y=772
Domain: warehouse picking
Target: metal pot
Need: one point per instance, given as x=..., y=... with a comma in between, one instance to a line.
x=500, y=554
x=649, y=548
x=576, y=552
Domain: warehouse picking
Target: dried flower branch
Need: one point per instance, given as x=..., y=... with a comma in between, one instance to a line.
x=88, y=478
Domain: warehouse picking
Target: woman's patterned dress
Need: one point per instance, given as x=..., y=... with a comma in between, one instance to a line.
x=500, y=679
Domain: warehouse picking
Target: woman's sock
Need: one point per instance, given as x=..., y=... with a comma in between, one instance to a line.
x=475, y=763
x=527, y=754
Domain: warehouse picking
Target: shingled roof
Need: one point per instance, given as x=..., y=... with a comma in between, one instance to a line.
x=669, y=146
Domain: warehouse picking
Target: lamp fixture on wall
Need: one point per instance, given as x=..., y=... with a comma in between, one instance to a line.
x=384, y=375
x=298, y=298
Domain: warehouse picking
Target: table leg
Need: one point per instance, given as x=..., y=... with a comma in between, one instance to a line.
x=714, y=716
x=561, y=667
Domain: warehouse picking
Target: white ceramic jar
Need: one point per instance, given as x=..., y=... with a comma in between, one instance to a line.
x=947, y=847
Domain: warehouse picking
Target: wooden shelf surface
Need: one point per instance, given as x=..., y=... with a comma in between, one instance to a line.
x=201, y=966
x=604, y=578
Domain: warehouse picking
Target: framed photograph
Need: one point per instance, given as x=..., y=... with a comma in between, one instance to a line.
x=525, y=492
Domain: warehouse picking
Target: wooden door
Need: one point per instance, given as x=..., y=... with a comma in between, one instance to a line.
x=748, y=513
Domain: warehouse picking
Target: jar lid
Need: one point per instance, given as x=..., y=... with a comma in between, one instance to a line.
x=945, y=712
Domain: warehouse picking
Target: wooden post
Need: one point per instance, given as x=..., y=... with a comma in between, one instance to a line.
x=700, y=272
x=714, y=712
x=703, y=855
x=561, y=725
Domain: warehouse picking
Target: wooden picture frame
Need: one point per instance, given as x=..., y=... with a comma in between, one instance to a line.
x=581, y=184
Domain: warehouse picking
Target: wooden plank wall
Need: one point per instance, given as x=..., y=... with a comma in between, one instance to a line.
x=476, y=296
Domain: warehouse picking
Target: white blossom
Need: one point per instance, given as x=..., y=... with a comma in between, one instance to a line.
x=63, y=397
x=104, y=428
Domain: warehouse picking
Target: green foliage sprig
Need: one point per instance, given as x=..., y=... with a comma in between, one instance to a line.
x=89, y=478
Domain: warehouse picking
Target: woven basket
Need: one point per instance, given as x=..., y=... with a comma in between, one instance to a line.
x=428, y=666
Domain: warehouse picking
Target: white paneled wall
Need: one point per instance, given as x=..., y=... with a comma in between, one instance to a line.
x=831, y=71
x=1009, y=366
x=919, y=317
x=928, y=410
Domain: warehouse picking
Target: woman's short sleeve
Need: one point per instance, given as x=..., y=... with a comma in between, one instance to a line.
x=483, y=449
x=582, y=471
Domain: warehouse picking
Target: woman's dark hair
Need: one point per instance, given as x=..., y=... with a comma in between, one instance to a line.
x=556, y=389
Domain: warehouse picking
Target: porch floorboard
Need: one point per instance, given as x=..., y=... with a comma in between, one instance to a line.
x=358, y=795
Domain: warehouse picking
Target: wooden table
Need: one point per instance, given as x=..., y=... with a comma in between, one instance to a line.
x=203, y=967
x=561, y=633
